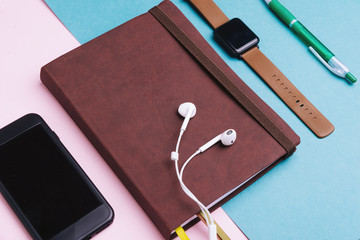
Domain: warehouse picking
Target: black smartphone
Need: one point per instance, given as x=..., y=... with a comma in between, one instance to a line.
x=45, y=186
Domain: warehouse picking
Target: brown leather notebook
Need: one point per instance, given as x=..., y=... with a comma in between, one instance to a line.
x=123, y=90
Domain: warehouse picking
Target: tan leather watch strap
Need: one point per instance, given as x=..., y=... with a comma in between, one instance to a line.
x=291, y=96
x=211, y=12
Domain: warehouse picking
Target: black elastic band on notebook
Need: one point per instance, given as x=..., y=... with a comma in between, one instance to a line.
x=224, y=80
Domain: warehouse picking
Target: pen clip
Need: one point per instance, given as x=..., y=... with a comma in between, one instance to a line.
x=338, y=68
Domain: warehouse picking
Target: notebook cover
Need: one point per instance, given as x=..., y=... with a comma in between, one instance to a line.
x=123, y=90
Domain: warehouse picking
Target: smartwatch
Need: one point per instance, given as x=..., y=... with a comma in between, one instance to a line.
x=240, y=42
x=236, y=37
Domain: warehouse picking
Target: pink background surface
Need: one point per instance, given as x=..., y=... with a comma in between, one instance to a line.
x=32, y=36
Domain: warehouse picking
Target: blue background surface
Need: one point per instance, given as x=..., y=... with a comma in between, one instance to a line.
x=315, y=194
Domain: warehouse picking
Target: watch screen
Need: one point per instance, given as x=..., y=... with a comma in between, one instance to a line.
x=44, y=183
x=237, y=36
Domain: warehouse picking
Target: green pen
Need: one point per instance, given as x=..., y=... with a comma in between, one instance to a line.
x=315, y=46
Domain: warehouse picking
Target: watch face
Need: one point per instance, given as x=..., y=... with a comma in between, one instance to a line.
x=236, y=36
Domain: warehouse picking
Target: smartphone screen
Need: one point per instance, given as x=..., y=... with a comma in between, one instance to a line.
x=44, y=183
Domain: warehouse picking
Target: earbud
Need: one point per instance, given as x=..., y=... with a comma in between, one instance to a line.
x=227, y=138
x=187, y=110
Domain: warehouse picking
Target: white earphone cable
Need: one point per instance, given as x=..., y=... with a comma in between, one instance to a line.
x=179, y=139
x=227, y=138
x=208, y=218
x=208, y=215
x=191, y=195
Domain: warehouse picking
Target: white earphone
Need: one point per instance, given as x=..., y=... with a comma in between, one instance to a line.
x=227, y=138
x=187, y=110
